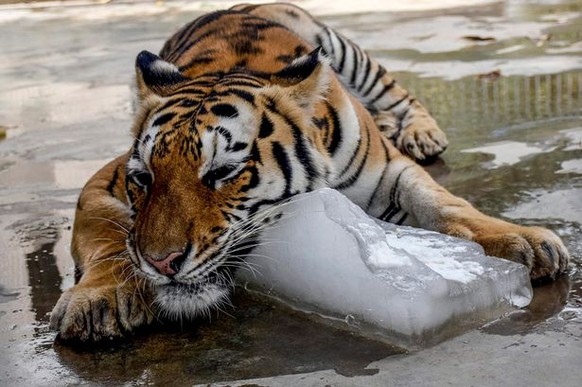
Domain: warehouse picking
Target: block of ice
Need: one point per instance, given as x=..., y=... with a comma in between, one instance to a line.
x=413, y=286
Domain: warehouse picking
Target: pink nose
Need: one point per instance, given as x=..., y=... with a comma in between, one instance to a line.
x=170, y=265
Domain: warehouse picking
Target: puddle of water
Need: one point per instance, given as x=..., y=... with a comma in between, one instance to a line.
x=540, y=315
x=574, y=139
x=260, y=339
x=571, y=166
x=61, y=174
x=563, y=204
x=507, y=152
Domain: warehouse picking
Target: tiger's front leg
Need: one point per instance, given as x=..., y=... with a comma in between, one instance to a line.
x=409, y=195
x=108, y=301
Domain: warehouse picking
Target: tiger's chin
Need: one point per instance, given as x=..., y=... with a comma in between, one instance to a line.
x=178, y=301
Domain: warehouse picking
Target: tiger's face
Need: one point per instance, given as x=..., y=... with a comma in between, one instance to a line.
x=212, y=157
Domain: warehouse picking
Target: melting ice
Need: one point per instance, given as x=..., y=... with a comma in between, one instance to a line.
x=414, y=286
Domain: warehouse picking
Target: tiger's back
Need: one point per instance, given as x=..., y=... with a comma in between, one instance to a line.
x=229, y=40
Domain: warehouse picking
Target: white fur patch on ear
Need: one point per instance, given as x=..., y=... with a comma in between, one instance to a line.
x=162, y=68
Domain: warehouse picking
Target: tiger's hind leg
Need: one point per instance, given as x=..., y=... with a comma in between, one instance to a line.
x=399, y=116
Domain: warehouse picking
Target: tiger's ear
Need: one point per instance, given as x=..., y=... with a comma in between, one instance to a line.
x=155, y=76
x=306, y=79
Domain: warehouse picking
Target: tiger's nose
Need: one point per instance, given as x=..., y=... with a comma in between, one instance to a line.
x=170, y=265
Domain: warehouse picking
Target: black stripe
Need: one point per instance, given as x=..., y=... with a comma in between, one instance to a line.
x=254, y=181
x=78, y=275
x=255, y=207
x=238, y=146
x=244, y=95
x=395, y=211
x=301, y=150
x=164, y=118
x=396, y=182
x=318, y=41
x=340, y=68
x=185, y=35
x=171, y=103
x=382, y=176
x=266, y=128
x=135, y=149
x=224, y=132
x=258, y=24
x=381, y=94
x=355, y=68
x=254, y=77
x=336, y=136
x=224, y=110
x=332, y=53
x=113, y=181
x=379, y=74
x=401, y=220
x=179, y=50
x=396, y=103
x=366, y=71
x=354, y=154
x=396, y=134
x=206, y=264
x=302, y=153
x=255, y=153
x=393, y=208
x=199, y=60
x=283, y=160
x=203, y=58
x=352, y=179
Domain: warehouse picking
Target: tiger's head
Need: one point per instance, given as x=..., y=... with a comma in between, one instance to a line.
x=212, y=156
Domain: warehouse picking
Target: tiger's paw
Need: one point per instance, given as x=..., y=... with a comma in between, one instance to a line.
x=97, y=313
x=538, y=248
x=418, y=136
x=422, y=140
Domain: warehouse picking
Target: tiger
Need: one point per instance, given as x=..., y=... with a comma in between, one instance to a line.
x=242, y=110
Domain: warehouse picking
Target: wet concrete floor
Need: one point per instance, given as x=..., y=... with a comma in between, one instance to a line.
x=504, y=80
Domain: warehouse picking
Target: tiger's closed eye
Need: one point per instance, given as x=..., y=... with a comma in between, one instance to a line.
x=212, y=177
x=141, y=179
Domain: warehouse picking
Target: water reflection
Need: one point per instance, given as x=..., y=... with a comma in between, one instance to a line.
x=44, y=280
x=549, y=299
x=479, y=108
